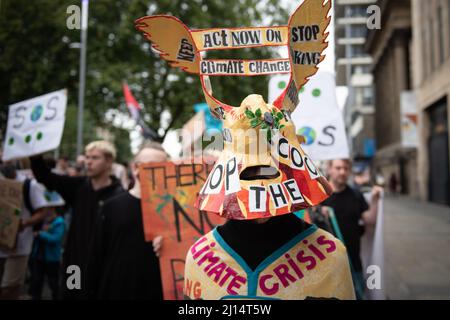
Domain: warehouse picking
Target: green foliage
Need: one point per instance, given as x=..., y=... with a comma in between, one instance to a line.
x=35, y=58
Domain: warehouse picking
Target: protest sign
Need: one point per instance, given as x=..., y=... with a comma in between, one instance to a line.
x=9, y=225
x=35, y=125
x=10, y=205
x=169, y=192
x=317, y=119
x=11, y=192
x=372, y=254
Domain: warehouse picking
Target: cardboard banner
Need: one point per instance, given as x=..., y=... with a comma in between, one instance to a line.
x=312, y=265
x=9, y=225
x=322, y=128
x=304, y=37
x=10, y=206
x=237, y=38
x=11, y=192
x=244, y=67
x=372, y=251
x=169, y=192
x=35, y=125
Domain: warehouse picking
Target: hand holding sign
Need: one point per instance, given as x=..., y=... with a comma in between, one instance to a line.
x=35, y=125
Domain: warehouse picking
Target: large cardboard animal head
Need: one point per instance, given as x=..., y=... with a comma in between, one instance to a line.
x=263, y=171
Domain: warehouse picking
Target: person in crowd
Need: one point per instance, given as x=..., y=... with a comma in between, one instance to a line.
x=264, y=250
x=47, y=249
x=352, y=212
x=361, y=179
x=123, y=265
x=14, y=263
x=81, y=164
x=62, y=165
x=120, y=172
x=393, y=184
x=85, y=195
x=72, y=171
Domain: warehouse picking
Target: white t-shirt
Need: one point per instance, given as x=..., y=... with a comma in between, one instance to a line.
x=25, y=237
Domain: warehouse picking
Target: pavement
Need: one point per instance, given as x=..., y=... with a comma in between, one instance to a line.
x=417, y=249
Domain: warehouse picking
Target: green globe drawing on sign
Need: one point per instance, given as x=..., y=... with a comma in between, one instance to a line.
x=309, y=134
x=36, y=113
x=281, y=84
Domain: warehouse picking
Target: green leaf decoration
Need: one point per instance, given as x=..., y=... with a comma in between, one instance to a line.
x=269, y=135
x=276, y=122
x=258, y=113
x=255, y=122
x=279, y=116
x=249, y=114
x=264, y=126
x=281, y=127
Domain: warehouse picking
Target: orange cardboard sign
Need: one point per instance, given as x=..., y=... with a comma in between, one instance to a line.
x=169, y=191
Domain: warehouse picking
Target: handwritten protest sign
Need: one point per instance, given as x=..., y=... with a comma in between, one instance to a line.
x=10, y=204
x=11, y=192
x=317, y=119
x=35, y=125
x=9, y=225
x=169, y=192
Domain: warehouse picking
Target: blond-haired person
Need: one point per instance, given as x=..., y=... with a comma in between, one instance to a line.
x=123, y=265
x=85, y=195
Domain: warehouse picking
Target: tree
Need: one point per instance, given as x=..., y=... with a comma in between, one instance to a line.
x=35, y=57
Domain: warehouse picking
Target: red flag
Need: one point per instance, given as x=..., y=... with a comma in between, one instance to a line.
x=132, y=105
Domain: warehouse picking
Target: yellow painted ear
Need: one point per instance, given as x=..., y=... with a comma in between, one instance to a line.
x=172, y=39
x=307, y=38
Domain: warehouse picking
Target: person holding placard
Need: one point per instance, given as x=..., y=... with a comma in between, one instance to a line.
x=85, y=195
x=15, y=261
x=262, y=176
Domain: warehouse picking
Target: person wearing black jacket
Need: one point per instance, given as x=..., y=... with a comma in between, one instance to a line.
x=86, y=196
x=122, y=264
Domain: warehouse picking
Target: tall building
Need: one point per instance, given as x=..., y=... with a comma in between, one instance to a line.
x=353, y=67
x=431, y=82
x=395, y=107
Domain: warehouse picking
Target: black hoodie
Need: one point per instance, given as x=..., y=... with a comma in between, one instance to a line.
x=85, y=203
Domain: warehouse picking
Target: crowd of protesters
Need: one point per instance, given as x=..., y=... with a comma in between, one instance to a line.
x=65, y=221
x=87, y=214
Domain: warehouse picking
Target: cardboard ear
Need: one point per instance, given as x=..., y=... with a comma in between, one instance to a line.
x=172, y=39
x=307, y=39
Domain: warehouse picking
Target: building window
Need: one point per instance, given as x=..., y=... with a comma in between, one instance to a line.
x=448, y=30
x=358, y=51
x=361, y=69
x=431, y=47
x=358, y=31
x=367, y=96
x=425, y=60
x=440, y=14
x=355, y=11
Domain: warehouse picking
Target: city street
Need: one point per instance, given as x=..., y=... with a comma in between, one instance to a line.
x=417, y=242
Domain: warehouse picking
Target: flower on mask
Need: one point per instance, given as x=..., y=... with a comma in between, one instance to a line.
x=269, y=121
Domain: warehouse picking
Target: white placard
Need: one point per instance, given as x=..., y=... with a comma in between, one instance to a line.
x=317, y=117
x=35, y=125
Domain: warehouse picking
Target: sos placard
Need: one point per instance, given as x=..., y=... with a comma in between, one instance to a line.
x=35, y=125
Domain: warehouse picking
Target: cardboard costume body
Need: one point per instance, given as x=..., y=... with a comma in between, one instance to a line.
x=313, y=264
x=262, y=172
